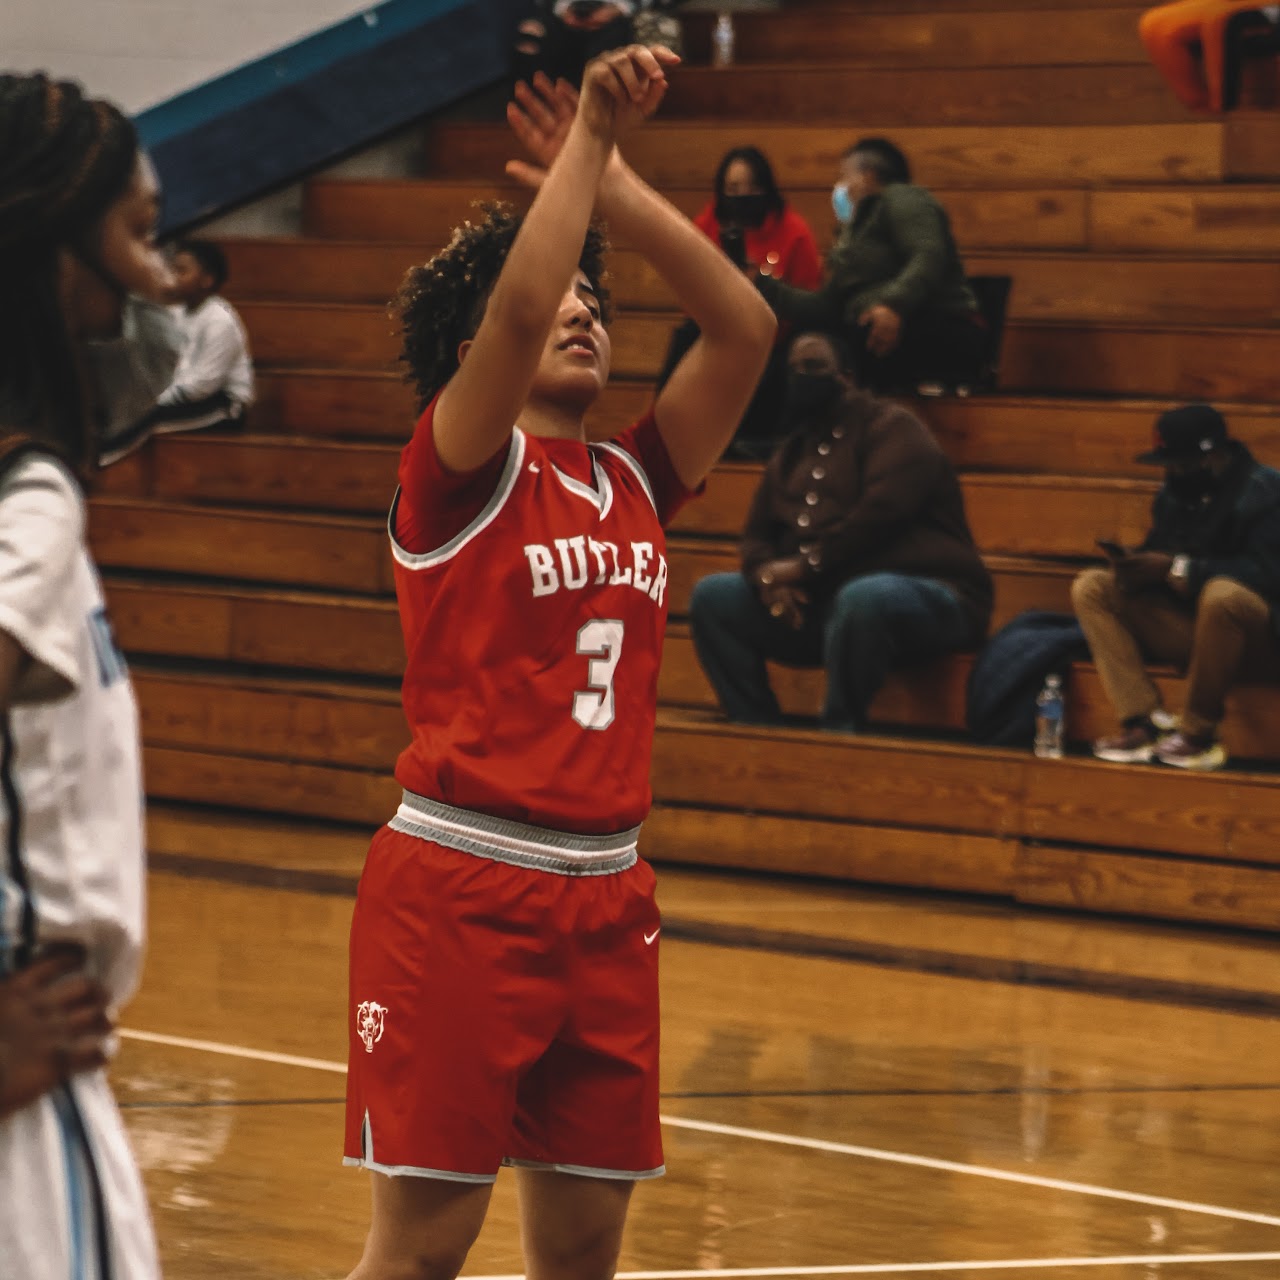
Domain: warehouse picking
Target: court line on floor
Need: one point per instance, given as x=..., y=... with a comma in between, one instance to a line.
x=777, y=1139
x=917, y=1268
x=1006, y=1091
x=973, y=1170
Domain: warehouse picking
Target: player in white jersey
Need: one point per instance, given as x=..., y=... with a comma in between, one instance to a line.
x=78, y=207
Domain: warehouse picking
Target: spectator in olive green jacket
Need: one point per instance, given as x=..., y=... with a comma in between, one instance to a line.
x=895, y=285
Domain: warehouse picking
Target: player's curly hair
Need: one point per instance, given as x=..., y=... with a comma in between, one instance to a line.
x=440, y=305
x=65, y=158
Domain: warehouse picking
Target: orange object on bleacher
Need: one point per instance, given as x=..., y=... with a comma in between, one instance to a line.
x=1197, y=45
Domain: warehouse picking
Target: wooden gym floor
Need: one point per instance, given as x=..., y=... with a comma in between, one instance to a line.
x=855, y=1083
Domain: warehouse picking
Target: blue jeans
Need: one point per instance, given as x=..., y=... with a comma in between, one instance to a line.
x=869, y=626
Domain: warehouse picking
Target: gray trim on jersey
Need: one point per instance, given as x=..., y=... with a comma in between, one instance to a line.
x=412, y=1171
x=601, y=497
x=367, y=1161
x=586, y=1171
x=506, y=482
x=518, y=843
x=635, y=466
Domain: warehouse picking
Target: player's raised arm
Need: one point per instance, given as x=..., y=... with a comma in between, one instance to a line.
x=700, y=407
x=480, y=405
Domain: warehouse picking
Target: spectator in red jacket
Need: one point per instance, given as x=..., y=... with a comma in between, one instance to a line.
x=751, y=221
x=749, y=217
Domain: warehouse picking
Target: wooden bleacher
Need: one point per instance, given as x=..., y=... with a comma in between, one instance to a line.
x=249, y=578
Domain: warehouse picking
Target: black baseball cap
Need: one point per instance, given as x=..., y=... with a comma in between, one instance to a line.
x=1183, y=434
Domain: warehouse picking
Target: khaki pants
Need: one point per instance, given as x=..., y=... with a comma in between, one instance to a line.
x=1222, y=638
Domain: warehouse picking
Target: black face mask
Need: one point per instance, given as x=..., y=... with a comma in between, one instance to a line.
x=812, y=396
x=1191, y=486
x=745, y=211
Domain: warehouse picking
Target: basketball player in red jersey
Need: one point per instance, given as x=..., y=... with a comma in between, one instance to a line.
x=503, y=997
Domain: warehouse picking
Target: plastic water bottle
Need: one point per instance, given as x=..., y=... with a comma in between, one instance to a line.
x=1050, y=720
x=722, y=41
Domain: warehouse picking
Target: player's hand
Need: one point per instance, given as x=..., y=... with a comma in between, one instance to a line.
x=540, y=117
x=543, y=113
x=623, y=88
x=884, y=328
x=53, y=1024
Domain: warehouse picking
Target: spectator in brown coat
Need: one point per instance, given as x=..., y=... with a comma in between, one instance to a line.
x=857, y=556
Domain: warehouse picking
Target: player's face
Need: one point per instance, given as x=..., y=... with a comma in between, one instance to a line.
x=127, y=255
x=575, y=362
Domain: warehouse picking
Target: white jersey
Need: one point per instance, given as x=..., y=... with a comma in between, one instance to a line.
x=70, y=772
x=72, y=850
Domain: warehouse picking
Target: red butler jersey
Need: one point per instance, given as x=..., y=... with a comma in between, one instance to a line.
x=534, y=634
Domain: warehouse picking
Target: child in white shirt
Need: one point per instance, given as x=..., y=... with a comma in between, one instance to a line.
x=213, y=383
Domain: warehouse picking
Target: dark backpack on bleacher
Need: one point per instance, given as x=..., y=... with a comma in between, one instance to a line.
x=1010, y=670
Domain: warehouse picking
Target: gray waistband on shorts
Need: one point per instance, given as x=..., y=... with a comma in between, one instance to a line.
x=518, y=843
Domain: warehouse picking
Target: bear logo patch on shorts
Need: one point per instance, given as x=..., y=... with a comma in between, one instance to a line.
x=371, y=1019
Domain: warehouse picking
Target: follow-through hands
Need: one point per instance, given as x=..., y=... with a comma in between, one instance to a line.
x=620, y=91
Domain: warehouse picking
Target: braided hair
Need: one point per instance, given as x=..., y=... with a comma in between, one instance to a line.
x=65, y=159
x=440, y=305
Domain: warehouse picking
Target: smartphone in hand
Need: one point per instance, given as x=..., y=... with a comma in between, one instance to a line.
x=733, y=240
x=1112, y=550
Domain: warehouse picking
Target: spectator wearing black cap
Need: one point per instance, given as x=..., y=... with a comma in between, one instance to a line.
x=1202, y=592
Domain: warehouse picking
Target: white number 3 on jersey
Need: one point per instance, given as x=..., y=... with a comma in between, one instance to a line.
x=601, y=641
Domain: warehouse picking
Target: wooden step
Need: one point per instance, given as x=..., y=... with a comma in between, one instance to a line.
x=367, y=796
x=274, y=719
x=1017, y=514
x=1160, y=887
x=307, y=335
x=1233, y=220
x=257, y=627
x=1198, y=220
x=314, y=631
x=1023, y=433
x=1071, y=437
x=942, y=37
x=1029, y=872
x=702, y=761
x=289, y=269
x=372, y=404
x=685, y=155
x=1181, y=363
x=1047, y=286
x=362, y=403
x=895, y=96
x=1071, y=357
x=1014, y=515
x=427, y=211
x=302, y=550
x=932, y=698
x=1136, y=289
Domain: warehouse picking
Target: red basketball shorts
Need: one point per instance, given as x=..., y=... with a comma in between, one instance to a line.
x=501, y=1014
